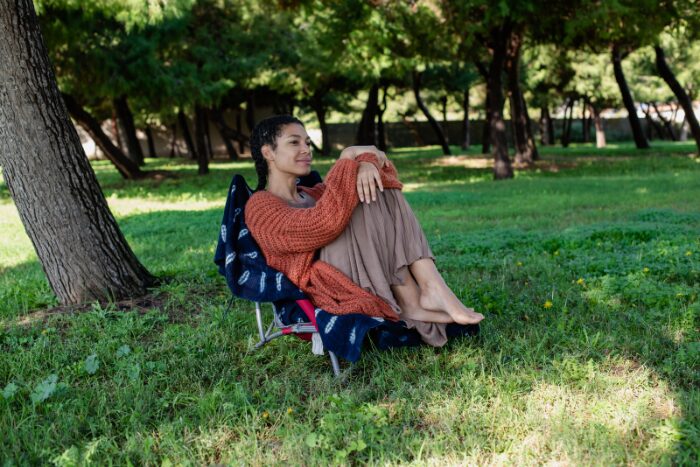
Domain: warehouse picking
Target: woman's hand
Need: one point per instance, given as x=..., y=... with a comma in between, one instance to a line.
x=351, y=152
x=368, y=180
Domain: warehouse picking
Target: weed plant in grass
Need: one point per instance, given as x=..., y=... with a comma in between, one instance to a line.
x=587, y=269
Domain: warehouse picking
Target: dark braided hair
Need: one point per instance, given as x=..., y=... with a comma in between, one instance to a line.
x=266, y=132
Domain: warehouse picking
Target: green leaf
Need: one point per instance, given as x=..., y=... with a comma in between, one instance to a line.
x=44, y=390
x=10, y=390
x=92, y=364
x=123, y=351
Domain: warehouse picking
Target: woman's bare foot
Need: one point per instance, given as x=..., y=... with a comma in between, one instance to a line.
x=441, y=298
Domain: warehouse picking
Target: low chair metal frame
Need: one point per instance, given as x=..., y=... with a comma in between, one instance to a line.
x=277, y=328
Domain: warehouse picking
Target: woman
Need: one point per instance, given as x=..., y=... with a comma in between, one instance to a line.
x=352, y=244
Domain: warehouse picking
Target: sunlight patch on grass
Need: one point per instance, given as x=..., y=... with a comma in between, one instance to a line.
x=128, y=206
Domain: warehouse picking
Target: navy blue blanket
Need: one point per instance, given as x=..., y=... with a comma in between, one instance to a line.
x=248, y=276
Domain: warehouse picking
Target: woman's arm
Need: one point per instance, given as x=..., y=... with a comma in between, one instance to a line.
x=280, y=228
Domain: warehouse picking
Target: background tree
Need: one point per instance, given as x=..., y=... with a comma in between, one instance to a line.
x=80, y=247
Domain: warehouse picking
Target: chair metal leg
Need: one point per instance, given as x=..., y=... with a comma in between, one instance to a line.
x=334, y=363
x=258, y=318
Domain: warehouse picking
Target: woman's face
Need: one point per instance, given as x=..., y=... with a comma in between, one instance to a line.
x=293, y=152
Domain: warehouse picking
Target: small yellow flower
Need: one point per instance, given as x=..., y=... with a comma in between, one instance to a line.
x=266, y=414
x=519, y=263
x=645, y=270
x=289, y=410
x=556, y=253
x=580, y=281
x=688, y=253
x=547, y=304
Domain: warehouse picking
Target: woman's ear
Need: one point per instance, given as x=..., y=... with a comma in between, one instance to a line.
x=267, y=152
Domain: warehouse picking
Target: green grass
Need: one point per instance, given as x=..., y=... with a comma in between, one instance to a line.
x=587, y=268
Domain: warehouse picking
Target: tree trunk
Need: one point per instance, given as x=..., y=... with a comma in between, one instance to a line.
x=115, y=130
x=433, y=123
x=568, y=119
x=125, y=166
x=653, y=124
x=151, y=143
x=445, y=130
x=544, y=124
x=497, y=128
x=639, y=140
x=585, y=121
x=465, y=120
x=186, y=134
x=668, y=125
x=173, y=142
x=250, y=112
x=207, y=134
x=126, y=119
x=78, y=242
x=220, y=123
x=599, y=130
x=199, y=129
x=486, y=134
x=320, y=110
x=381, y=129
x=523, y=151
x=530, y=134
x=683, y=99
x=367, y=130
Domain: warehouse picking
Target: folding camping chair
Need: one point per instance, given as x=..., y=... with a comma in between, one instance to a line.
x=303, y=330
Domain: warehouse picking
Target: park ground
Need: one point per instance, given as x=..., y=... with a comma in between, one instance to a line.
x=587, y=268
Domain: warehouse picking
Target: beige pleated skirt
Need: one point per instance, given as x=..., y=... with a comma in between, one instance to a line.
x=382, y=239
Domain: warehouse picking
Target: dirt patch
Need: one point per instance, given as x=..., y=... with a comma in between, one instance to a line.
x=142, y=305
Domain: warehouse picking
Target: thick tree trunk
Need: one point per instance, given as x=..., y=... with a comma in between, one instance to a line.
x=683, y=99
x=199, y=129
x=367, y=129
x=220, y=123
x=502, y=168
x=320, y=110
x=639, y=140
x=524, y=146
x=126, y=119
x=431, y=120
x=465, y=120
x=78, y=242
x=151, y=143
x=182, y=120
x=125, y=166
x=599, y=130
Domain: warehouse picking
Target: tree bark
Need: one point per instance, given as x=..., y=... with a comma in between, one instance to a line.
x=381, y=128
x=182, y=119
x=568, y=119
x=668, y=124
x=502, y=168
x=523, y=148
x=207, y=134
x=320, y=110
x=199, y=129
x=151, y=143
x=433, y=123
x=445, y=130
x=78, y=242
x=530, y=134
x=220, y=123
x=653, y=124
x=465, y=120
x=367, y=129
x=173, y=142
x=639, y=140
x=683, y=98
x=585, y=120
x=126, y=119
x=599, y=130
x=126, y=167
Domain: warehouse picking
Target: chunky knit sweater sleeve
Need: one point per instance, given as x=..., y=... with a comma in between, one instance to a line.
x=281, y=229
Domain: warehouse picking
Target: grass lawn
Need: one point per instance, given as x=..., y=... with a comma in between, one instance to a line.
x=587, y=269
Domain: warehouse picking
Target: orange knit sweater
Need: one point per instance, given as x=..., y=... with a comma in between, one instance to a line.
x=289, y=237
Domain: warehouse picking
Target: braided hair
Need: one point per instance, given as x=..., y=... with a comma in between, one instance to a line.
x=266, y=132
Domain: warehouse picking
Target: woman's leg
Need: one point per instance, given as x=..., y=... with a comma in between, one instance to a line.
x=408, y=296
x=436, y=296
